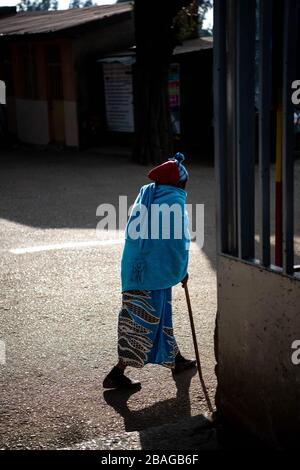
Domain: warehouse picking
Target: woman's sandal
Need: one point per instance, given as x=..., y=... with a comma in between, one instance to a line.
x=117, y=379
x=182, y=364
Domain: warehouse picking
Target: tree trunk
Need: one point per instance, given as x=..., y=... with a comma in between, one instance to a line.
x=155, y=42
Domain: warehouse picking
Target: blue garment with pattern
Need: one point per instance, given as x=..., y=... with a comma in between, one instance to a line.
x=145, y=331
x=155, y=262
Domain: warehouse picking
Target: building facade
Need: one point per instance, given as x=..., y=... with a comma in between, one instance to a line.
x=43, y=62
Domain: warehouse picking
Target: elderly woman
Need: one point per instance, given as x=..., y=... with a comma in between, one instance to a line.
x=155, y=258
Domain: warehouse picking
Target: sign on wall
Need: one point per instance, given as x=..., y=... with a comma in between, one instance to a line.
x=118, y=97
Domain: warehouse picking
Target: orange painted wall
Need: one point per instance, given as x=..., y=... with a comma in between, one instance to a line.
x=57, y=117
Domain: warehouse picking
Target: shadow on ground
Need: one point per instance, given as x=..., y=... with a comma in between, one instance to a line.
x=62, y=190
x=182, y=430
x=155, y=415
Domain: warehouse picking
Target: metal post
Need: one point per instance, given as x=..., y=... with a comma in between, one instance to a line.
x=265, y=94
x=220, y=122
x=245, y=126
x=289, y=70
x=231, y=183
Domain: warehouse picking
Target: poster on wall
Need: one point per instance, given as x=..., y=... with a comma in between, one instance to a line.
x=118, y=97
x=2, y=92
x=118, y=89
x=174, y=98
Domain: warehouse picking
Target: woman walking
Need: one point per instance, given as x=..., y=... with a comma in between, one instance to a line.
x=155, y=258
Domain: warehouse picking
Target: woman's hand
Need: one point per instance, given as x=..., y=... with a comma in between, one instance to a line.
x=185, y=280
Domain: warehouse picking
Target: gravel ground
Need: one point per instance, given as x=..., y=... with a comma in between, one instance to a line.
x=59, y=308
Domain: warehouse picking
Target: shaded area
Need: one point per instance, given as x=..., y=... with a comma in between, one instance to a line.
x=155, y=415
x=167, y=424
x=59, y=308
x=62, y=190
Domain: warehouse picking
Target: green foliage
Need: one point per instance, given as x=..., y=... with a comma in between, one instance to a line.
x=44, y=5
x=188, y=21
x=37, y=5
x=75, y=4
x=81, y=3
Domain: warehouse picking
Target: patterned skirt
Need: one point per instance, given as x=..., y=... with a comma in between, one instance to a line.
x=145, y=330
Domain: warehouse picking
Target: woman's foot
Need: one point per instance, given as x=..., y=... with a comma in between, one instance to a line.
x=182, y=364
x=117, y=379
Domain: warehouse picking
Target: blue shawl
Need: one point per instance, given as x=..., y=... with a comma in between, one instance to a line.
x=155, y=263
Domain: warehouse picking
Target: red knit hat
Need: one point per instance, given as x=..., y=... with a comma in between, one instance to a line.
x=170, y=172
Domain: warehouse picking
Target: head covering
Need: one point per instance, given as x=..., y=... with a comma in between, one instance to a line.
x=170, y=172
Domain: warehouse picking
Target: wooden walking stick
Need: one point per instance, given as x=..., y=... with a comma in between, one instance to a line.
x=188, y=301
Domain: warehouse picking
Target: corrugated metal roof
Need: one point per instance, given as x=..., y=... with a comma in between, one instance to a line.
x=191, y=45
x=37, y=22
x=194, y=45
